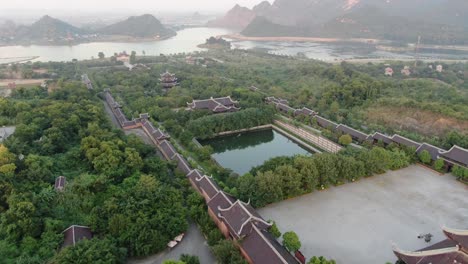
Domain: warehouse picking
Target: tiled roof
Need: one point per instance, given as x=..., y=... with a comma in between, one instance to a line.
x=219, y=200
x=459, y=236
x=326, y=123
x=238, y=215
x=207, y=185
x=262, y=247
x=182, y=164
x=433, y=151
x=457, y=154
x=352, y=132
x=285, y=108
x=305, y=111
x=167, y=148
x=439, y=256
x=450, y=251
x=405, y=141
x=75, y=233
x=381, y=137
x=217, y=105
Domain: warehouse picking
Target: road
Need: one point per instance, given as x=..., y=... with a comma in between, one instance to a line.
x=193, y=244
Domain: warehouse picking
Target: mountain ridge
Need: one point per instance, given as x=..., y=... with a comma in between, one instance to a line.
x=437, y=21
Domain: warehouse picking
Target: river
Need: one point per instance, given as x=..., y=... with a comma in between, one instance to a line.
x=185, y=41
x=242, y=152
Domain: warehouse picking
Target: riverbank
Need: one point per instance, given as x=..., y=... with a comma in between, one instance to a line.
x=239, y=37
x=101, y=39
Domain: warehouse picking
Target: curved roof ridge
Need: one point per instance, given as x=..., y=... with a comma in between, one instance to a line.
x=229, y=208
x=426, y=252
x=452, y=148
x=460, y=232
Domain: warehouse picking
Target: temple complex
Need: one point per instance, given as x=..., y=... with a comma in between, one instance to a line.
x=168, y=80
x=453, y=250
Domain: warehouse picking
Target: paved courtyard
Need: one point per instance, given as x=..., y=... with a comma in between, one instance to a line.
x=358, y=222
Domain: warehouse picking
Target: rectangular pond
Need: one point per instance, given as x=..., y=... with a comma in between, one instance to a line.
x=241, y=152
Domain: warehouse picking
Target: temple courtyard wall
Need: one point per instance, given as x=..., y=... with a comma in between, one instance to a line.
x=358, y=222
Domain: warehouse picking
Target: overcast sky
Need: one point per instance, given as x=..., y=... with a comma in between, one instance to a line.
x=108, y=5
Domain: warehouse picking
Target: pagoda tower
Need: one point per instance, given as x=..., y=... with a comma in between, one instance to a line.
x=168, y=80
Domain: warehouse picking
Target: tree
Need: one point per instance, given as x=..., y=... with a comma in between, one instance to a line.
x=439, y=165
x=345, y=140
x=274, y=230
x=425, y=157
x=101, y=55
x=170, y=261
x=91, y=251
x=291, y=241
x=7, y=165
x=133, y=57
x=188, y=259
x=227, y=253
x=320, y=260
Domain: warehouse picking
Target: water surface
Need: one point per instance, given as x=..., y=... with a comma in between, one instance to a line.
x=241, y=152
x=185, y=41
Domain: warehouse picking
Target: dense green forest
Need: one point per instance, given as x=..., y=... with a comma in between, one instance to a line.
x=116, y=184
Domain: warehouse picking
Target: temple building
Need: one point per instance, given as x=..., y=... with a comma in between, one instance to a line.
x=379, y=137
x=455, y=156
x=75, y=233
x=355, y=134
x=305, y=111
x=453, y=250
x=168, y=80
x=405, y=141
x=216, y=105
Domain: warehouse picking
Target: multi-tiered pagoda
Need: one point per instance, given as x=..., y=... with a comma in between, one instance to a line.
x=168, y=80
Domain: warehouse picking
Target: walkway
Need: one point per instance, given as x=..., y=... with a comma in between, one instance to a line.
x=318, y=141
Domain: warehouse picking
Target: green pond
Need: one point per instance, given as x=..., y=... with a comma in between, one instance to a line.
x=241, y=152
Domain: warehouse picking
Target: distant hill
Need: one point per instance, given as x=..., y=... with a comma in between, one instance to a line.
x=236, y=18
x=138, y=27
x=437, y=21
x=47, y=28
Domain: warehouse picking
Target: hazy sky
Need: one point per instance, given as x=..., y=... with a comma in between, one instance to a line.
x=107, y=5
